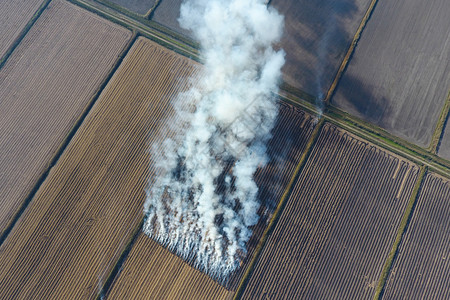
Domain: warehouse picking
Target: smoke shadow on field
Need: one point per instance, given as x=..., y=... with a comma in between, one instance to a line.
x=357, y=98
x=317, y=36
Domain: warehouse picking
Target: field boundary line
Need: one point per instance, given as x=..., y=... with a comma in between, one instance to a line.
x=414, y=154
x=65, y=142
x=440, y=127
x=149, y=14
x=122, y=258
x=279, y=209
x=400, y=233
x=375, y=135
x=23, y=33
x=350, y=51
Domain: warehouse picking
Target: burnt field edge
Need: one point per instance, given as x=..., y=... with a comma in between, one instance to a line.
x=270, y=227
x=350, y=51
x=400, y=233
x=23, y=33
x=150, y=29
x=66, y=141
x=440, y=126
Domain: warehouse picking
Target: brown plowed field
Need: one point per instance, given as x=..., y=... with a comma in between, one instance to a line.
x=422, y=269
x=152, y=272
x=45, y=86
x=399, y=75
x=339, y=224
x=316, y=38
x=14, y=16
x=71, y=235
x=290, y=135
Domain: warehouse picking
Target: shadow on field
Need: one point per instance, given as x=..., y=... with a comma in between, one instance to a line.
x=317, y=36
x=353, y=96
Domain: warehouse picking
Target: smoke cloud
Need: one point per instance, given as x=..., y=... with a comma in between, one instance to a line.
x=204, y=201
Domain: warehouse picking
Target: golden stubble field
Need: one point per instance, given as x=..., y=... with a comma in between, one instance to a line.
x=45, y=86
x=71, y=235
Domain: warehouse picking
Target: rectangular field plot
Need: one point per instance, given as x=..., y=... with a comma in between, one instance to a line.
x=14, y=16
x=422, y=269
x=399, y=75
x=71, y=235
x=316, y=38
x=338, y=225
x=138, y=6
x=290, y=136
x=45, y=86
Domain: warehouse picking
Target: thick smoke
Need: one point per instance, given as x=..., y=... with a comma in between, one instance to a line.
x=205, y=201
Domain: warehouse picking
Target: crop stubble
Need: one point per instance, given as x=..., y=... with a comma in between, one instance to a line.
x=14, y=15
x=399, y=75
x=71, y=235
x=45, y=86
x=338, y=225
x=152, y=272
x=290, y=136
x=421, y=269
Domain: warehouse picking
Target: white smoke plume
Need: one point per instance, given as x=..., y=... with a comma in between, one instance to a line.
x=205, y=201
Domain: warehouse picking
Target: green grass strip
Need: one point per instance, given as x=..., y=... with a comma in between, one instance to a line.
x=387, y=141
x=401, y=231
x=278, y=210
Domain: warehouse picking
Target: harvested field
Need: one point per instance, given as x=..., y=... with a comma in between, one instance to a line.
x=152, y=272
x=138, y=6
x=422, y=269
x=45, y=86
x=71, y=235
x=290, y=135
x=444, y=147
x=14, y=16
x=317, y=37
x=167, y=14
x=339, y=223
x=399, y=75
